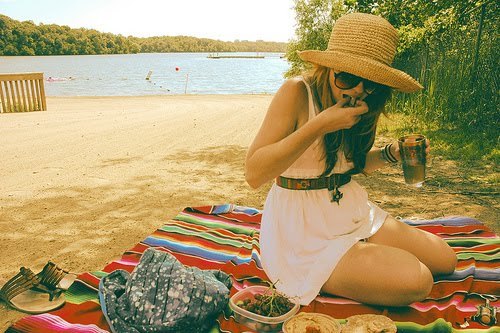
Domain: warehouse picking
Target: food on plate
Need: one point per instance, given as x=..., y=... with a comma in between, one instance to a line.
x=369, y=323
x=271, y=303
x=311, y=323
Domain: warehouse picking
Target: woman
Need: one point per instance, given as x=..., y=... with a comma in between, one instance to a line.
x=319, y=231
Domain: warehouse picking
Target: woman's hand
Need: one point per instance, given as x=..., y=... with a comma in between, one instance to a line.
x=338, y=117
x=397, y=154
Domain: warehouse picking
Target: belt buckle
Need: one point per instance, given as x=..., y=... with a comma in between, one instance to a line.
x=333, y=189
x=304, y=184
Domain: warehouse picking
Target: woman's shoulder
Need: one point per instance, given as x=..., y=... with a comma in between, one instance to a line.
x=297, y=81
x=292, y=99
x=294, y=87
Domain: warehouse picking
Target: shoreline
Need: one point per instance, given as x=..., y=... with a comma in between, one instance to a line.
x=157, y=96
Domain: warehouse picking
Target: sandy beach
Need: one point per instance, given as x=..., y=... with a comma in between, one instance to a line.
x=86, y=180
x=89, y=178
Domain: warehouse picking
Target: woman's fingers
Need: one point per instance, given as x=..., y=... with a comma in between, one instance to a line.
x=359, y=110
x=343, y=102
x=340, y=116
x=427, y=147
x=395, y=150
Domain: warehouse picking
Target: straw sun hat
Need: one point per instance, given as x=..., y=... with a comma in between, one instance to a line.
x=364, y=45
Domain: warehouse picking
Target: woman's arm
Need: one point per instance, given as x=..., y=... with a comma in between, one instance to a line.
x=281, y=139
x=375, y=159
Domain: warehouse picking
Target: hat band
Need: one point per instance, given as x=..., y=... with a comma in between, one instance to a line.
x=374, y=55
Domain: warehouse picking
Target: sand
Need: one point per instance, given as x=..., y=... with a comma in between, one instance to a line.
x=88, y=179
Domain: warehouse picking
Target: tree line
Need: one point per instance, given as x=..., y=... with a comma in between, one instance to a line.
x=25, y=38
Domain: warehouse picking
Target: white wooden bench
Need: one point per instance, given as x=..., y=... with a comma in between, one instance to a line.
x=20, y=92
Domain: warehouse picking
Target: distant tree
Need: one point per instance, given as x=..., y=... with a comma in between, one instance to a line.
x=26, y=38
x=314, y=19
x=10, y=50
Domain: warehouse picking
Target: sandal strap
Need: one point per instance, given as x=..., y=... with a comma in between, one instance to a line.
x=51, y=275
x=22, y=281
x=53, y=293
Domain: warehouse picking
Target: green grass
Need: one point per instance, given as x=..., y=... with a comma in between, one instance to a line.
x=467, y=148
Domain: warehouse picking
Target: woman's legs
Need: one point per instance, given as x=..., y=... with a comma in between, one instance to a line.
x=380, y=274
x=394, y=267
x=431, y=250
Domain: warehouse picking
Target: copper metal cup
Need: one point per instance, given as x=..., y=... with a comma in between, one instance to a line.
x=413, y=158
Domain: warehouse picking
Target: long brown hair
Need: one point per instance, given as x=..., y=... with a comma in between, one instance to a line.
x=357, y=140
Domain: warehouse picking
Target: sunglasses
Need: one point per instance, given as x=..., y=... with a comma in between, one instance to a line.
x=344, y=81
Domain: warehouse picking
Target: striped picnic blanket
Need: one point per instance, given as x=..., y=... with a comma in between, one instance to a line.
x=226, y=237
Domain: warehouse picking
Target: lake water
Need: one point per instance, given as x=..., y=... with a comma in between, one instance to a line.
x=172, y=73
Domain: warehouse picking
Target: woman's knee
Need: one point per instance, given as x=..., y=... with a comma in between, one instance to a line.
x=449, y=260
x=419, y=285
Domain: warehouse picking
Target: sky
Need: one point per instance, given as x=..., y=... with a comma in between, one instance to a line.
x=227, y=20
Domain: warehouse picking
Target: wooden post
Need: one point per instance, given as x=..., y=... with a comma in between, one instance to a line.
x=42, y=94
x=2, y=99
x=186, y=86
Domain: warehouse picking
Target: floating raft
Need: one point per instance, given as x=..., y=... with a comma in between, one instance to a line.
x=211, y=56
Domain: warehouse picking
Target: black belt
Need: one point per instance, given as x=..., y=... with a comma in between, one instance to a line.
x=332, y=183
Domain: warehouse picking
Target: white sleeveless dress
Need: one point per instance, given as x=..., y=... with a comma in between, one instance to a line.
x=303, y=234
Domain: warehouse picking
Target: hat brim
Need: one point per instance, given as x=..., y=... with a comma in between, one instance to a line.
x=363, y=67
